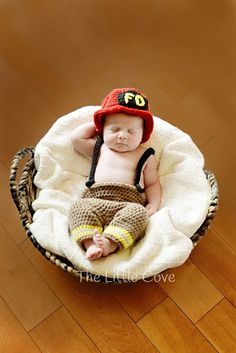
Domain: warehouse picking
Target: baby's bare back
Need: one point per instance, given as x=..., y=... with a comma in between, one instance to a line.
x=118, y=167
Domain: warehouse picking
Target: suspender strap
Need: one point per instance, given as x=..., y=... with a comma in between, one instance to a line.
x=96, y=150
x=140, y=165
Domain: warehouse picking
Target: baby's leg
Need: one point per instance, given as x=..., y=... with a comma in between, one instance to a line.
x=128, y=225
x=84, y=218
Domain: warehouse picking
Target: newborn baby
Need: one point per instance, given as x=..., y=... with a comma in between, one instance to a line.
x=123, y=187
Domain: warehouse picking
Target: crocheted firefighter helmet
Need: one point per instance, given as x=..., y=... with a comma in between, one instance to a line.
x=129, y=101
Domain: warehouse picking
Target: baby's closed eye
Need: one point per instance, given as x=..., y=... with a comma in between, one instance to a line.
x=114, y=129
x=132, y=131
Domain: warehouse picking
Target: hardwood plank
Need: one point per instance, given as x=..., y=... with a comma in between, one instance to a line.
x=70, y=63
x=79, y=34
x=94, y=309
x=216, y=260
x=170, y=331
x=191, y=291
x=22, y=287
x=201, y=110
x=12, y=139
x=180, y=115
x=138, y=298
x=68, y=69
x=24, y=109
x=46, y=81
x=178, y=79
x=65, y=335
x=13, y=336
x=219, y=326
x=87, y=39
x=190, y=34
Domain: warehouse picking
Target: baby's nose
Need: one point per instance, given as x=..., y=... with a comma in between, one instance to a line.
x=122, y=135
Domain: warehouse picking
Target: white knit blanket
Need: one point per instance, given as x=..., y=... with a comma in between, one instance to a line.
x=61, y=173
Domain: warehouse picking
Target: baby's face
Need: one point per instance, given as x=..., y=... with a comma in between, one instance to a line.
x=122, y=132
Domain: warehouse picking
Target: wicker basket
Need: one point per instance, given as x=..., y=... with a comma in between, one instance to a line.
x=24, y=193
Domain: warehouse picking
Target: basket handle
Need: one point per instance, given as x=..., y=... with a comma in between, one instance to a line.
x=14, y=185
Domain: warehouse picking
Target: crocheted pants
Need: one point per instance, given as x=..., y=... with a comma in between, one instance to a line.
x=117, y=211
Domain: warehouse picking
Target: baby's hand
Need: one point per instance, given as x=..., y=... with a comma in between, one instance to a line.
x=151, y=209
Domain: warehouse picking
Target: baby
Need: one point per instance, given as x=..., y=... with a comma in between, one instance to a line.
x=123, y=188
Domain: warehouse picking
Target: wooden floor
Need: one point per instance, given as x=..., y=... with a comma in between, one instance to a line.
x=56, y=56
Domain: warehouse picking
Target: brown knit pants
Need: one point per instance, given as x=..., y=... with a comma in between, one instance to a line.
x=118, y=214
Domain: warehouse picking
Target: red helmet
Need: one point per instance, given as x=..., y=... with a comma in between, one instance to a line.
x=129, y=101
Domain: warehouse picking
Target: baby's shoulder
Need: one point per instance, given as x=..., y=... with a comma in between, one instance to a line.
x=148, y=152
x=151, y=161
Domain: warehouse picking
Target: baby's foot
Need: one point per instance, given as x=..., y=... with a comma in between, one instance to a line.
x=93, y=252
x=108, y=246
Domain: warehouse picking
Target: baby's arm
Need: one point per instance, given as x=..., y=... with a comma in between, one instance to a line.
x=152, y=186
x=82, y=139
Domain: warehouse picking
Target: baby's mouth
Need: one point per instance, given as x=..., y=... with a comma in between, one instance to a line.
x=121, y=144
